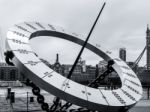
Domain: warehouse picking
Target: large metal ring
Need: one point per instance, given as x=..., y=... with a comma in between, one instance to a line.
x=27, y=61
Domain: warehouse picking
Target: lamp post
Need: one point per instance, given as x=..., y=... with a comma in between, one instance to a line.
x=27, y=103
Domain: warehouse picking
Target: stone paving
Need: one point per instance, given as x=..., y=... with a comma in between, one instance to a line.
x=141, y=106
x=20, y=104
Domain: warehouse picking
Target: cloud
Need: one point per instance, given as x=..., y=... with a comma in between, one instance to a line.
x=122, y=23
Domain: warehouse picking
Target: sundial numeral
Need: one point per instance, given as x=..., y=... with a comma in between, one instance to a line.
x=17, y=41
x=134, y=83
x=32, y=63
x=24, y=29
x=74, y=34
x=29, y=25
x=128, y=95
x=97, y=45
x=131, y=88
x=48, y=74
x=131, y=75
x=52, y=27
x=19, y=34
x=83, y=92
x=66, y=84
x=40, y=25
x=87, y=93
x=23, y=51
x=125, y=67
x=108, y=52
x=118, y=97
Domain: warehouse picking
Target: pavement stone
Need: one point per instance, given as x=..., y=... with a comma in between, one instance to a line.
x=20, y=104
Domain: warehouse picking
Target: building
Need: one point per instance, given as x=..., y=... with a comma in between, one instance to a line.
x=92, y=72
x=82, y=73
x=57, y=66
x=112, y=79
x=133, y=66
x=122, y=54
x=148, y=47
x=102, y=64
x=8, y=73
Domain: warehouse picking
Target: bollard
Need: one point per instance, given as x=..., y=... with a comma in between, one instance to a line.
x=12, y=97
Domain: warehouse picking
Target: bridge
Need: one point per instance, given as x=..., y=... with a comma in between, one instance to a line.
x=144, y=74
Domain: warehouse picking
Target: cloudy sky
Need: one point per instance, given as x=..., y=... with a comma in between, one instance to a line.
x=122, y=24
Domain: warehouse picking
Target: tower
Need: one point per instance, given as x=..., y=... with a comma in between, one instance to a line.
x=57, y=58
x=57, y=65
x=148, y=47
x=122, y=54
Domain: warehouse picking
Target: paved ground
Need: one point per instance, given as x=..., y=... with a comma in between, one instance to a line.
x=140, y=109
x=142, y=106
x=20, y=104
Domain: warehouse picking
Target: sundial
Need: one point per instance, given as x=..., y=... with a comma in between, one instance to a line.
x=97, y=99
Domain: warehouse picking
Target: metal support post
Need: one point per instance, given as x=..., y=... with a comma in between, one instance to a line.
x=27, y=102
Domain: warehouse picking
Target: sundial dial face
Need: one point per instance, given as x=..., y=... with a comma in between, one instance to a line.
x=27, y=61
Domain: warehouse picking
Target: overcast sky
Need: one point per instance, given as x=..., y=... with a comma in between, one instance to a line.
x=122, y=24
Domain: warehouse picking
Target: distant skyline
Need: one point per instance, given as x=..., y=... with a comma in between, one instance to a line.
x=122, y=24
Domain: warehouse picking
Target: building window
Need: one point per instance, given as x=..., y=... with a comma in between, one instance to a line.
x=12, y=74
x=2, y=74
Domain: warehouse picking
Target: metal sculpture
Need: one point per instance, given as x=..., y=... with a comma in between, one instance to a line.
x=89, y=97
